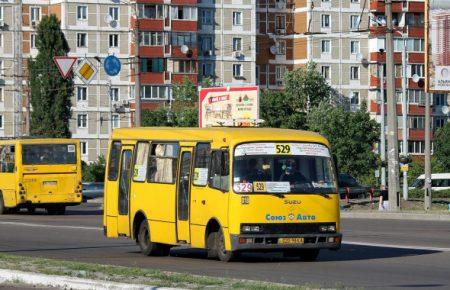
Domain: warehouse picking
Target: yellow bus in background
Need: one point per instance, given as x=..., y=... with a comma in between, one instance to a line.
x=227, y=190
x=40, y=173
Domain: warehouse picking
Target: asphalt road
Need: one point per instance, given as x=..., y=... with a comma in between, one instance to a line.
x=376, y=254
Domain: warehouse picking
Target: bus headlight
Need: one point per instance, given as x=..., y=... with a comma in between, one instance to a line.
x=250, y=229
x=327, y=228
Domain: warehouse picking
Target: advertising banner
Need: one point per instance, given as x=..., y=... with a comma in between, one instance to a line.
x=437, y=45
x=228, y=106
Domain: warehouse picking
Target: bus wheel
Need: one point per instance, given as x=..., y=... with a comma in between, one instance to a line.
x=222, y=253
x=2, y=204
x=147, y=247
x=309, y=254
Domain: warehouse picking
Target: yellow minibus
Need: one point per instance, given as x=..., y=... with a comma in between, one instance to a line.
x=39, y=173
x=227, y=190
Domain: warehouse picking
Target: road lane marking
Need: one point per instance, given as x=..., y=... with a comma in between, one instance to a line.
x=51, y=226
x=396, y=246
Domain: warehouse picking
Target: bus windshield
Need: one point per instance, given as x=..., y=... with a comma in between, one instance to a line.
x=283, y=168
x=49, y=154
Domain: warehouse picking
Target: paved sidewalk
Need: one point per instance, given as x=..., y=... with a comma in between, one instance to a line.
x=396, y=215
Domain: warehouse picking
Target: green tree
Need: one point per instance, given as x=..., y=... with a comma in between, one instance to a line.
x=49, y=92
x=278, y=113
x=306, y=88
x=94, y=172
x=442, y=148
x=155, y=118
x=351, y=134
x=185, y=103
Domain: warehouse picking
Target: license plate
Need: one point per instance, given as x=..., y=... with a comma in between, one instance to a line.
x=50, y=183
x=291, y=240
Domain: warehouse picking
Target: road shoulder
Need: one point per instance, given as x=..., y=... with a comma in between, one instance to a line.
x=396, y=215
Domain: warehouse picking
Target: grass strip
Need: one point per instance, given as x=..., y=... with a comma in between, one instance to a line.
x=133, y=275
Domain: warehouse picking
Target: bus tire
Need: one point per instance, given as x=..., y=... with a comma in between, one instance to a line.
x=222, y=253
x=149, y=248
x=2, y=204
x=211, y=245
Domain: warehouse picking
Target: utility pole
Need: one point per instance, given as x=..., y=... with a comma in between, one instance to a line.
x=137, y=64
x=18, y=69
x=383, y=127
x=393, y=176
x=427, y=154
x=405, y=117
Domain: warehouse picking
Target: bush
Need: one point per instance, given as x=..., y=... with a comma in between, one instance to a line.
x=419, y=193
x=94, y=172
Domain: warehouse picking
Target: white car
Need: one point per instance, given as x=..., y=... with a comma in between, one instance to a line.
x=439, y=181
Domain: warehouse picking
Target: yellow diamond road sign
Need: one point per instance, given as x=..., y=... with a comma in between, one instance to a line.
x=86, y=71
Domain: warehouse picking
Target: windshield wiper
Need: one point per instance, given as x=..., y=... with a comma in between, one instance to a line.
x=277, y=194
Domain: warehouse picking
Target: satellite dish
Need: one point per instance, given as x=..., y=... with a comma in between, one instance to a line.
x=273, y=49
x=108, y=19
x=184, y=49
x=445, y=110
x=113, y=23
x=416, y=78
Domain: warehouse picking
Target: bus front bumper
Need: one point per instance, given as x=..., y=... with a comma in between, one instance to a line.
x=280, y=242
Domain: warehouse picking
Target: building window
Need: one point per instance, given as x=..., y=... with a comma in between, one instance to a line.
x=354, y=72
x=416, y=147
x=206, y=43
x=416, y=122
x=280, y=22
x=279, y=74
x=281, y=47
x=33, y=40
x=417, y=69
x=183, y=38
x=114, y=40
x=354, y=21
x=114, y=94
x=153, y=65
x=206, y=16
x=354, y=98
x=207, y=69
x=354, y=47
x=237, y=18
x=81, y=94
x=150, y=11
x=81, y=12
x=114, y=13
x=1, y=12
x=440, y=122
x=184, y=12
x=326, y=72
x=325, y=21
x=237, y=44
x=155, y=92
x=184, y=66
x=84, y=147
x=326, y=46
x=1, y=94
x=35, y=14
x=412, y=44
x=416, y=97
x=152, y=38
x=440, y=99
x=82, y=120
x=237, y=70
x=1, y=40
x=81, y=40
x=115, y=121
x=1, y=122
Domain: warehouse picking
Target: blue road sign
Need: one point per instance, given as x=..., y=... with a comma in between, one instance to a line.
x=112, y=65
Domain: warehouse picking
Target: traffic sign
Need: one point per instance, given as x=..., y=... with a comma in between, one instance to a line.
x=86, y=71
x=112, y=65
x=64, y=64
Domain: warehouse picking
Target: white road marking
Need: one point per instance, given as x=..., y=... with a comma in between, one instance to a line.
x=51, y=226
x=396, y=246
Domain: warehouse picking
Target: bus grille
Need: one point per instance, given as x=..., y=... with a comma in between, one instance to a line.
x=288, y=228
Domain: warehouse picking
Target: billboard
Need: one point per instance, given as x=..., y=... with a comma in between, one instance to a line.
x=437, y=34
x=228, y=106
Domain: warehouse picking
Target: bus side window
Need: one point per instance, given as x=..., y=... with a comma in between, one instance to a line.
x=114, y=160
x=7, y=158
x=201, y=164
x=162, y=165
x=141, y=163
x=219, y=170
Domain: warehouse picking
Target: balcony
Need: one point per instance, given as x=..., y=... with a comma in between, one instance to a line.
x=178, y=78
x=149, y=24
x=192, y=53
x=151, y=51
x=152, y=78
x=416, y=31
x=381, y=57
x=379, y=6
x=184, y=25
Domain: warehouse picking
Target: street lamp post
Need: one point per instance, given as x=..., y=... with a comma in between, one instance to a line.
x=405, y=117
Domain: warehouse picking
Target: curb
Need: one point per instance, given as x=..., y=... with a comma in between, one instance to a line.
x=396, y=216
x=66, y=282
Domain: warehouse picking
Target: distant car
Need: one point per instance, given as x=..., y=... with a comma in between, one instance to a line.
x=439, y=181
x=93, y=190
x=346, y=181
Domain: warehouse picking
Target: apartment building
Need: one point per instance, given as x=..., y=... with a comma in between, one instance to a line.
x=409, y=19
x=331, y=33
x=93, y=30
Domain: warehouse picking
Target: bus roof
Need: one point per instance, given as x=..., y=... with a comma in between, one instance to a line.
x=217, y=134
x=39, y=141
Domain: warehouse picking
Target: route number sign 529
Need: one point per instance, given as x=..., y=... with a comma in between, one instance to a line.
x=283, y=149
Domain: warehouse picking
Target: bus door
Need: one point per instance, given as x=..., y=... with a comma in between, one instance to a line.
x=125, y=173
x=183, y=195
x=7, y=175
